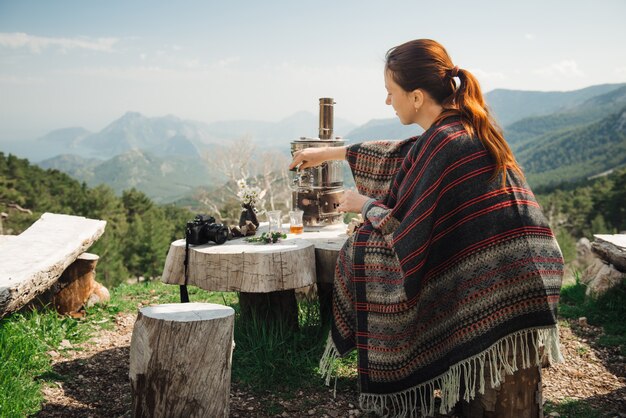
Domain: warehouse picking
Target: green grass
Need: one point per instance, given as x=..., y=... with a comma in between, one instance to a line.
x=571, y=408
x=266, y=358
x=25, y=340
x=271, y=358
x=276, y=358
x=607, y=311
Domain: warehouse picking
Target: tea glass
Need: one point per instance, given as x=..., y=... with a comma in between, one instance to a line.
x=275, y=221
x=295, y=221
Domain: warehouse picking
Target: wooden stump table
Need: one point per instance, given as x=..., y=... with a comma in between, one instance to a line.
x=180, y=360
x=264, y=274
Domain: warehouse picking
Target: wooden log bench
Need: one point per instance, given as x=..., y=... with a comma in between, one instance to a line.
x=611, y=248
x=32, y=262
x=608, y=268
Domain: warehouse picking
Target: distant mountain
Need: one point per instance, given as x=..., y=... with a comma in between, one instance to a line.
x=76, y=166
x=180, y=145
x=591, y=110
x=383, y=129
x=163, y=179
x=67, y=138
x=134, y=131
x=59, y=141
x=169, y=136
x=576, y=153
x=136, y=151
x=510, y=106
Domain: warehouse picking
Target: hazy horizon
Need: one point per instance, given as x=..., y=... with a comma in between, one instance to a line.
x=75, y=63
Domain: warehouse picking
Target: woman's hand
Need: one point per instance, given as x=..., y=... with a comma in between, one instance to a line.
x=352, y=202
x=312, y=157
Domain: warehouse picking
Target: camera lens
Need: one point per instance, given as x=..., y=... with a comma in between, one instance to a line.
x=217, y=233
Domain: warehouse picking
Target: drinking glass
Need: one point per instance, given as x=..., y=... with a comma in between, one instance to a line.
x=295, y=222
x=275, y=220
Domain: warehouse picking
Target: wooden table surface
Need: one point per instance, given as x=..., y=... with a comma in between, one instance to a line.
x=238, y=265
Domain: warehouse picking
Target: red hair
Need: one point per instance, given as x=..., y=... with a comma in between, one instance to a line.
x=425, y=64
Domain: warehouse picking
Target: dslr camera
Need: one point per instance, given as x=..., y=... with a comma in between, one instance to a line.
x=204, y=229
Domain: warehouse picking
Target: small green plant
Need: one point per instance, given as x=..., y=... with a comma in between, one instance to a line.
x=582, y=350
x=267, y=238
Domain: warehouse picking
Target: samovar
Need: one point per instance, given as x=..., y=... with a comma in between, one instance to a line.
x=318, y=190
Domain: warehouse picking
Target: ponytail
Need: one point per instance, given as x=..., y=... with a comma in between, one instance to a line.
x=468, y=102
x=425, y=64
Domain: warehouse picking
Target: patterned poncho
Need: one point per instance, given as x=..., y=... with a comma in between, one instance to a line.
x=451, y=274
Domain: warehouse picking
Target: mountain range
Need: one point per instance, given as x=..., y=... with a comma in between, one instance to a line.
x=556, y=136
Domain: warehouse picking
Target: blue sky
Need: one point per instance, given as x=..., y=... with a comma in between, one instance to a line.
x=85, y=63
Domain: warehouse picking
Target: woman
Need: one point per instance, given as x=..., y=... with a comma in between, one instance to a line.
x=453, y=279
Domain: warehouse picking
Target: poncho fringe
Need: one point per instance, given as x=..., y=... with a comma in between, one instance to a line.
x=501, y=358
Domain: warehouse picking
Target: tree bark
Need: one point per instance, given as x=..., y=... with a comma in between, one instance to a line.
x=180, y=360
x=611, y=248
x=76, y=287
x=239, y=266
x=519, y=395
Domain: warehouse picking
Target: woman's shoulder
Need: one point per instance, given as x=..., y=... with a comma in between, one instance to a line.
x=445, y=144
x=445, y=131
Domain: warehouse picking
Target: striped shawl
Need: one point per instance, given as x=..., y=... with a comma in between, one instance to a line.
x=450, y=275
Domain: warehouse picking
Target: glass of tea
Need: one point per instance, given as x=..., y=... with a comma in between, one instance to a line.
x=295, y=221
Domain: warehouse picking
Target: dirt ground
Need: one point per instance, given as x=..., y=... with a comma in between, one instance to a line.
x=93, y=381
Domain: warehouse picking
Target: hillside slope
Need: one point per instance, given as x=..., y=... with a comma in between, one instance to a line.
x=576, y=153
x=509, y=106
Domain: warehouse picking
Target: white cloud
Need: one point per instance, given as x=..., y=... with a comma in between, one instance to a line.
x=37, y=44
x=529, y=36
x=620, y=71
x=567, y=68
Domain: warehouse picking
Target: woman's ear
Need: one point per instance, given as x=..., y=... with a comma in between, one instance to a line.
x=418, y=98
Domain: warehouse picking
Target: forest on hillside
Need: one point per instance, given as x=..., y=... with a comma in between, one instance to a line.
x=581, y=209
x=138, y=232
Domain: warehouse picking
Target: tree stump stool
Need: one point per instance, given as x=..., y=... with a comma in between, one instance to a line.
x=519, y=395
x=180, y=360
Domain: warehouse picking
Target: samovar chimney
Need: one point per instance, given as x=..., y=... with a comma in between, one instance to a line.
x=326, y=118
